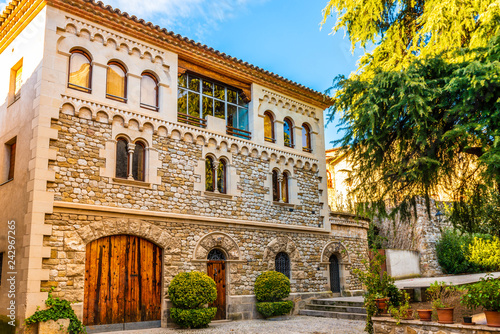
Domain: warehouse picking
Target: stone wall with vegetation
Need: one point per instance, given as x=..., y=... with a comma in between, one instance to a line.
x=78, y=179
x=389, y=326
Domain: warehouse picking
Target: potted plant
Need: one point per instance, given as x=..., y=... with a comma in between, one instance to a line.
x=425, y=314
x=382, y=303
x=485, y=294
x=403, y=311
x=441, y=296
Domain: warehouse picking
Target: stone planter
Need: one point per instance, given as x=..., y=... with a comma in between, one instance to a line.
x=53, y=327
x=425, y=315
x=445, y=315
x=492, y=318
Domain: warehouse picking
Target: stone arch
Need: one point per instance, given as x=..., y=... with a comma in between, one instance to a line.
x=281, y=244
x=219, y=240
x=337, y=248
x=140, y=228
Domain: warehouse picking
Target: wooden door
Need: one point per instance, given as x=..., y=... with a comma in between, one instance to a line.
x=122, y=281
x=334, y=274
x=217, y=271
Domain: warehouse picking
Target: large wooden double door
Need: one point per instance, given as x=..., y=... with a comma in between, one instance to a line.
x=122, y=281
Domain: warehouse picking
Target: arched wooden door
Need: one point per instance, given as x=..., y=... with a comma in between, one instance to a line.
x=122, y=281
x=216, y=269
x=334, y=274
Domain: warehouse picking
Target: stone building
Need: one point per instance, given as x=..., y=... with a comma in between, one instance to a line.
x=419, y=235
x=131, y=154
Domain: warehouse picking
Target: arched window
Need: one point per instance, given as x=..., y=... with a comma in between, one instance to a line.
x=139, y=162
x=288, y=132
x=221, y=177
x=329, y=179
x=282, y=264
x=149, y=91
x=216, y=255
x=116, y=82
x=306, y=138
x=80, y=71
x=269, y=127
x=284, y=188
x=276, y=187
x=209, y=174
x=122, y=158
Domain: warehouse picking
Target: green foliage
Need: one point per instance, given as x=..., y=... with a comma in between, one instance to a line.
x=377, y=285
x=5, y=328
x=442, y=294
x=485, y=293
x=431, y=128
x=271, y=286
x=404, y=30
x=450, y=252
x=191, y=290
x=270, y=309
x=484, y=253
x=195, y=318
x=57, y=309
x=401, y=310
x=375, y=240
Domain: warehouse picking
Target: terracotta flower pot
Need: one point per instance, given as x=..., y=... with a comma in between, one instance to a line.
x=445, y=315
x=382, y=305
x=425, y=315
x=492, y=318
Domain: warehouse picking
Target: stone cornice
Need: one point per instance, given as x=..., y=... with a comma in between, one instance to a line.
x=188, y=50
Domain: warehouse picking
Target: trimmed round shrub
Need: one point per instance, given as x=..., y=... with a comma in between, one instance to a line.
x=271, y=286
x=484, y=253
x=271, y=309
x=450, y=252
x=192, y=290
x=197, y=318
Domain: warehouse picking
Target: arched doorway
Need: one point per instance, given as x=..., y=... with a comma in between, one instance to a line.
x=122, y=281
x=334, y=274
x=216, y=269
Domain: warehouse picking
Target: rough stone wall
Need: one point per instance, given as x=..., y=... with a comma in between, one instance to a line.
x=389, y=326
x=419, y=234
x=71, y=233
x=78, y=179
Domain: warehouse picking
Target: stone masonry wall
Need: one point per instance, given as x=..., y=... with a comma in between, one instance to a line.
x=78, y=179
x=419, y=234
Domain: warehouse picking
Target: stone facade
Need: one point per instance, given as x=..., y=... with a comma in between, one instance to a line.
x=389, y=326
x=66, y=193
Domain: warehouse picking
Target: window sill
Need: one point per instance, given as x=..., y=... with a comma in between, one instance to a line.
x=286, y=205
x=134, y=183
x=218, y=195
x=1, y=184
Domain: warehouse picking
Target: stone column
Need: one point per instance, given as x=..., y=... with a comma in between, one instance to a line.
x=215, y=167
x=280, y=189
x=131, y=149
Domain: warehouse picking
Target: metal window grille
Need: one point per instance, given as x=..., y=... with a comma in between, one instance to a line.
x=282, y=264
x=216, y=255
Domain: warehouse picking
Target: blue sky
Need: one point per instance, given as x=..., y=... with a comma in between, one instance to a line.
x=282, y=36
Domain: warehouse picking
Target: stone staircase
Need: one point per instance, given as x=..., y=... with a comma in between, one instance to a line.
x=350, y=308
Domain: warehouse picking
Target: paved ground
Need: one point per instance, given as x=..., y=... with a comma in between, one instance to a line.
x=294, y=325
x=455, y=280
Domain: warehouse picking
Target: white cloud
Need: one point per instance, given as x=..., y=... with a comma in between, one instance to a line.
x=3, y=4
x=194, y=17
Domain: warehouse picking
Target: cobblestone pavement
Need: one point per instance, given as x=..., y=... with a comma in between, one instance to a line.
x=294, y=325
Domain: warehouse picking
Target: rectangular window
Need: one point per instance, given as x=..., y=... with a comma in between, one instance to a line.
x=206, y=98
x=10, y=158
x=16, y=81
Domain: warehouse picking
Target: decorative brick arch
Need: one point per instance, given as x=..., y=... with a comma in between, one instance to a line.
x=140, y=228
x=335, y=247
x=281, y=244
x=216, y=240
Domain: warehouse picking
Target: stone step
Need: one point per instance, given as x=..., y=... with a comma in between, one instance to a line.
x=338, y=309
x=337, y=303
x=337, y=315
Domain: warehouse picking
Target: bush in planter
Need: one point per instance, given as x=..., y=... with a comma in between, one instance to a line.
x=270, y=288
x=57, y=309
x=442, y=296
x=486, y=294
x=190, y=292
